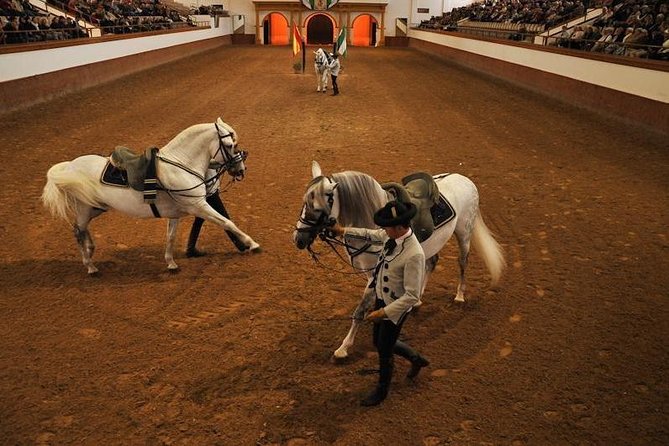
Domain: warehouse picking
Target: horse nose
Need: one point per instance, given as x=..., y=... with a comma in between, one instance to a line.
x=301, y=244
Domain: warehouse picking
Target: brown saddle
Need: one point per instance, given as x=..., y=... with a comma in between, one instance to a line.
x=420, y=189
x=140, y=169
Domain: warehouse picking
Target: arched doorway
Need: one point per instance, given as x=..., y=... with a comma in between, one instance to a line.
x=320, y=30
x=364, y=31
x=275, y=29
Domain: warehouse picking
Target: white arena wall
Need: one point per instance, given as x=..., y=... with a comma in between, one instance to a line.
x=54, y=69
x=628, y=88
x=632, y=89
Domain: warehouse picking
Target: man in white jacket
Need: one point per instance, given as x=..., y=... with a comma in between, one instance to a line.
x=397, y=282
x=334, y=67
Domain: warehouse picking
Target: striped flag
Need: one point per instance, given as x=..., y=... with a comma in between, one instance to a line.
x=297, y=40
x=341, y=42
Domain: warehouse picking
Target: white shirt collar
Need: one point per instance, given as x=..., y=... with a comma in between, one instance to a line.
x=406, y=235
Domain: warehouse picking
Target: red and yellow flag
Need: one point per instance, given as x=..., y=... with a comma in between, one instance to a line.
x=297, y=40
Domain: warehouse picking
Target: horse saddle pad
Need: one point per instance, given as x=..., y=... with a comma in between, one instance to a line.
x=442, y=212
x=113, y=176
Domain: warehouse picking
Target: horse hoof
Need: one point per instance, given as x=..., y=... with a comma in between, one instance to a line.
x=459, y=299
x=173, y=268
x=339, y=355
x=255, y=249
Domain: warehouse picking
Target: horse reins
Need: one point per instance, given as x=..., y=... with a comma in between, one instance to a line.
x=321, y=227
x=229, y=162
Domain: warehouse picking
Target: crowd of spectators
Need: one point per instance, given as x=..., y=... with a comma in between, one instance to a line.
x=546, y=12
x=122, y=16
x=21, y=22
x=635, y=28
x=210, y=10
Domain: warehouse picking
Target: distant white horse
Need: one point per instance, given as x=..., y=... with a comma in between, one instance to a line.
x=321, y=63
x=351, y=198
x=75, y=193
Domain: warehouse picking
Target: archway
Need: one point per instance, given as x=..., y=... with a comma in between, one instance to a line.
x=275, y=29
x=364, y=31
x=320, y=30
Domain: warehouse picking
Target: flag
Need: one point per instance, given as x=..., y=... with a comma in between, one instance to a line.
x=297, y=40
x=341, y=42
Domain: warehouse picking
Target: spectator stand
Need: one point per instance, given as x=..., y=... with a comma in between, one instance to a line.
x=46, y=20
x=551, y=36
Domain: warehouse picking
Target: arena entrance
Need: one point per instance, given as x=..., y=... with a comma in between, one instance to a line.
x=364, y=31
x=275, y=29
x=320, y=30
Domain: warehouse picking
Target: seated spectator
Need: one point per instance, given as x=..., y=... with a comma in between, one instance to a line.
x=11, y=31
x=576, y=39
x=663, y=53
x=635, y=43
x=616, y=41
x=603, y=41
x=565, y=35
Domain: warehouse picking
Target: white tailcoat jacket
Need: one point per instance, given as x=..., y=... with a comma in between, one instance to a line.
x=399, y=277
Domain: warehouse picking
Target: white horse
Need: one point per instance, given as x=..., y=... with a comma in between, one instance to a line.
x=351, y=198
x=321, y=63
x=75, y=193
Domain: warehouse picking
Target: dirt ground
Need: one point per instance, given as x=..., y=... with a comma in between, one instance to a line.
x=570, y=348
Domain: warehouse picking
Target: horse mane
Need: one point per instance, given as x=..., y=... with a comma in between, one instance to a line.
x=360, y=196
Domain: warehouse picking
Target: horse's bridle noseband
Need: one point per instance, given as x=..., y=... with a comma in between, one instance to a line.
x=229, y=161
x=314, y=227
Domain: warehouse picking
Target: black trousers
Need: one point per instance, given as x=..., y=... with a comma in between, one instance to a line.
x=386, y=340
x=335, y=87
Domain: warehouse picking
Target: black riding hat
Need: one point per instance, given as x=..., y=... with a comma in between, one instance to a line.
x=395, y=213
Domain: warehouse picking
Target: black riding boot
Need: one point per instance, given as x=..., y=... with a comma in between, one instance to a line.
x=381, y=391
x=191, y=250
x=417, y=361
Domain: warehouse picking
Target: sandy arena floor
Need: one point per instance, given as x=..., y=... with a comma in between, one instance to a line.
x=236, y=349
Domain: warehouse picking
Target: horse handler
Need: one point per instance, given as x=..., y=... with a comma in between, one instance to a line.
x=334, y=67
x=397, y=282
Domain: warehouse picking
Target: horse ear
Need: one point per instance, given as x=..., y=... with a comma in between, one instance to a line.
x=315, y=169
x=219, y=121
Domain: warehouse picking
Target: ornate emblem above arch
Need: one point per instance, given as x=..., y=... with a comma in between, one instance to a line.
x=319, y=5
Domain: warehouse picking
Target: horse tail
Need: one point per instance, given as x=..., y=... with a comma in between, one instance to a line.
x=65, y=188
x=490, y=250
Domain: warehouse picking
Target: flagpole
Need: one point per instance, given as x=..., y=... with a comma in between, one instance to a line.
x=304, y=55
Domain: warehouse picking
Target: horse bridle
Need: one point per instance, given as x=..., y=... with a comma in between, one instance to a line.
x=229, y=161
x=321, y=228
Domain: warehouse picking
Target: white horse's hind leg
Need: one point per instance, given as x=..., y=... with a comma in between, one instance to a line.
x=464, y=242
x=86, y=244
x=172, y=225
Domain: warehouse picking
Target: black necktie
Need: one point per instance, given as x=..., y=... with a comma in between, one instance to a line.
x=390, y=246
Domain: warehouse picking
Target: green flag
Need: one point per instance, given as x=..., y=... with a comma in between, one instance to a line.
x=341, y=42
